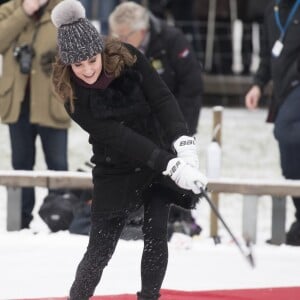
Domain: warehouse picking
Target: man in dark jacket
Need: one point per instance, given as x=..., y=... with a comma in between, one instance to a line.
x=279, y=60
x=172, y=56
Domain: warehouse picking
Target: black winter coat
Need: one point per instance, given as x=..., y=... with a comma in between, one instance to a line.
x=171, y=55
x=127, y=147
x=283, y=69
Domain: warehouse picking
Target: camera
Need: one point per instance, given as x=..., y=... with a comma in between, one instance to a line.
x=24, y=55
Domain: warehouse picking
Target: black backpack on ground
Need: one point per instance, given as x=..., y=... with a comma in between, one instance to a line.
x=57, y=210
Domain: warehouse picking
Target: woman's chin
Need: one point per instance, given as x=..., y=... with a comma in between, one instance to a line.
x=90, y=80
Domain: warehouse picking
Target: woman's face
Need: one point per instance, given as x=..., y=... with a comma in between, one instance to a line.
x=88, y=70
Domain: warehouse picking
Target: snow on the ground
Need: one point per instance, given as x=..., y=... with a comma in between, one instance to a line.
x=44, y=265
x=35, y=263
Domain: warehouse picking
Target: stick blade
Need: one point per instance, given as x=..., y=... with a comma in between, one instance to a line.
x=250, y=259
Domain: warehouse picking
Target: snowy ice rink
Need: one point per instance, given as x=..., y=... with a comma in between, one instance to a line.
x=35, y=263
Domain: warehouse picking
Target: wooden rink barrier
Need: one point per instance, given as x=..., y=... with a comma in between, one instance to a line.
x=252, y=189
x=217, y=136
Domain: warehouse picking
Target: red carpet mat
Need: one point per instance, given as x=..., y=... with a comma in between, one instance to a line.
x=290, y=293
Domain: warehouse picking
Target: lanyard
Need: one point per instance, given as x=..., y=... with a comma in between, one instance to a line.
x=283, y=29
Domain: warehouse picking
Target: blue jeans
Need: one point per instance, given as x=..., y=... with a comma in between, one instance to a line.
x=287, y=133
x=23, y=136
x=103, y=10
x=88, y=7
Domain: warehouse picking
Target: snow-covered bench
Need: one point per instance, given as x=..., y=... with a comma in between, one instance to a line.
x=252, y=189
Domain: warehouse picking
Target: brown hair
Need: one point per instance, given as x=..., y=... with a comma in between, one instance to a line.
x=115, y=57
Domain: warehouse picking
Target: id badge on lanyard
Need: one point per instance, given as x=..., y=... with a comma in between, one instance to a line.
x=278, y=45
x=277, y=48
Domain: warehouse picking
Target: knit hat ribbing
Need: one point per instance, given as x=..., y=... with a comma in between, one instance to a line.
x=77, y=38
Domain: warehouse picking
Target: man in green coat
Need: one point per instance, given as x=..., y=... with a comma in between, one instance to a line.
x=27, y=102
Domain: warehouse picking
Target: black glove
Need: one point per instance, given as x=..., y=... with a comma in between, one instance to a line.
x=47, y=59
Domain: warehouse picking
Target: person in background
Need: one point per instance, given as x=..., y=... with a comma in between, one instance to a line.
x=27, y=102
x=110, y=89
x=280, y=51
x=183, y=15
x=171, y=55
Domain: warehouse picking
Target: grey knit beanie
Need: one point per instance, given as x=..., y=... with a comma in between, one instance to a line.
x=77, y=38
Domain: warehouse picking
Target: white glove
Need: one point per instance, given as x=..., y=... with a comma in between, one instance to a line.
x=185, y=147
x=185, y=176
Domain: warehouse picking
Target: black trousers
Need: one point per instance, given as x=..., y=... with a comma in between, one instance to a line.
x=105, y=232
x=287, y=133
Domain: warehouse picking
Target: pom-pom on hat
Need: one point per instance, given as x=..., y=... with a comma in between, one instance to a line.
x=77, y=38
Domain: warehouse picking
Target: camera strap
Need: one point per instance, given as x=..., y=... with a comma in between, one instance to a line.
x=33, y=37
x=35, y=34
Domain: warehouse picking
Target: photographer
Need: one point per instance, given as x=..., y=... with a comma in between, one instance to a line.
x=27, y=102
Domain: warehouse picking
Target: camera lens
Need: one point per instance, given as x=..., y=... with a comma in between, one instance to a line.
x=25, y=62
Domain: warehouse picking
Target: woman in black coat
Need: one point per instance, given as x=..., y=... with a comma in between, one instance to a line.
x=113, y=93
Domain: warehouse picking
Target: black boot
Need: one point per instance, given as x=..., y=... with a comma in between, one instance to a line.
x=293, y=235
x=144, y=297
